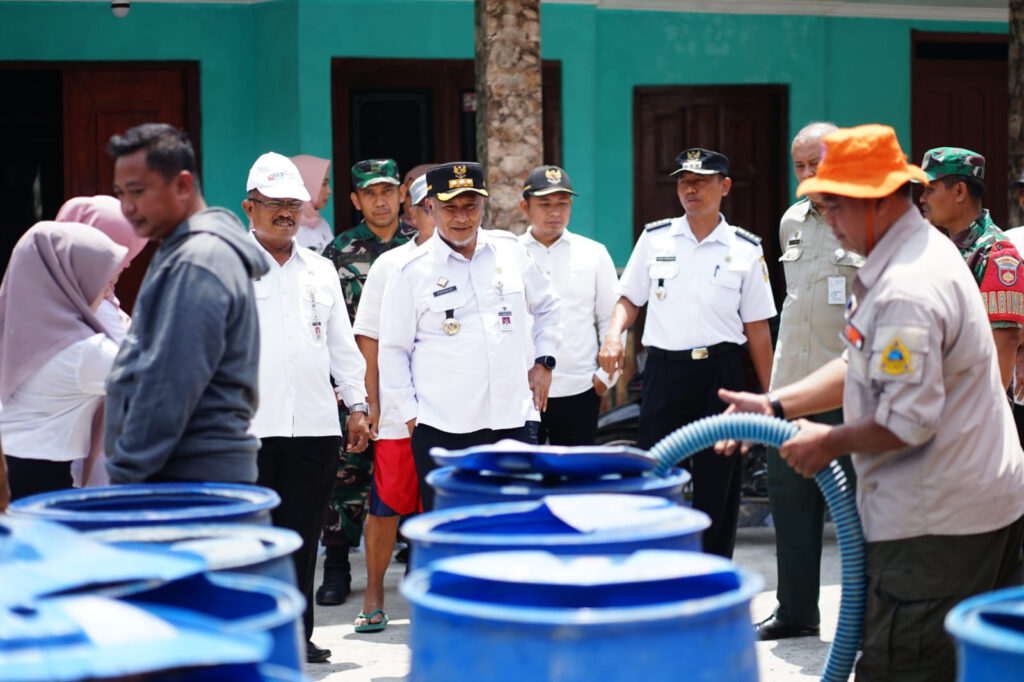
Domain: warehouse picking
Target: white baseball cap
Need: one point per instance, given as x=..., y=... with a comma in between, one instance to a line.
x=276, y=177
x=418, y=190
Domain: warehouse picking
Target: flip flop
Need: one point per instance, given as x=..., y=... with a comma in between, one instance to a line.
x=371, y=626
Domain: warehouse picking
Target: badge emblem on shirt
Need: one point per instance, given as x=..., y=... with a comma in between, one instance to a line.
x=853, y=335
x=896, y=359
x=1008, y=266
x=442, y=282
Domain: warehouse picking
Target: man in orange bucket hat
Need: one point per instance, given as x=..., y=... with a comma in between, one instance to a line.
x=939, y=467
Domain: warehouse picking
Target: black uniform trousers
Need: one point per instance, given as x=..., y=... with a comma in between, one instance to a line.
x=798, y=513
x=571, y=420
x=34, y=476
x=301, y=470
x=678, y=390
x=425, y=437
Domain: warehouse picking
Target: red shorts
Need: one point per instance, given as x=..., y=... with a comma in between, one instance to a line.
x=395, y=490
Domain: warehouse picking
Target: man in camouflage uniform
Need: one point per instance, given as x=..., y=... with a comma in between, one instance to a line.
x=953, y=203
x=377, y=193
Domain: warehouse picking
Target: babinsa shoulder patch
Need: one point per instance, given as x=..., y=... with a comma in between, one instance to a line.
x=657, y=224
x=748, y=235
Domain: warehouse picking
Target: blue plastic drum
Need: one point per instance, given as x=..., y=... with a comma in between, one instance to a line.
x=246, y=604
x=151, y=504
x=561, y=524
x=513, y=616
x=510, y=471
x=88, y=637
x=989, y=633
x=458, y=488
x=232, y=547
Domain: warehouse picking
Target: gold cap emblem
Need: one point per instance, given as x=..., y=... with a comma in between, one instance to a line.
x=460, y=171
x=553, y=175
x=693, y=155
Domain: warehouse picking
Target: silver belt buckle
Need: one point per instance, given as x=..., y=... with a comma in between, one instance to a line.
x=699, y=353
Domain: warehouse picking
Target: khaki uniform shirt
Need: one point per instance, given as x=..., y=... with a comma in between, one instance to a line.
x=922, y=363
x=819, y=273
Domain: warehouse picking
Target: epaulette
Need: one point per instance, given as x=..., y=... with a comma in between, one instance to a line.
x=657, y=224
x=748, y=235
x=416, y=254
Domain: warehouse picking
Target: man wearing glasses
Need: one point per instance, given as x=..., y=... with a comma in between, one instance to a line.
x=305, y=341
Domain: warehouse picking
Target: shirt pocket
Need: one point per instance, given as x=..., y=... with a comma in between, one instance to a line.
x=898, y=353
x=442, y=304
x=260, y=289
x=663, y=267
x=725, y=290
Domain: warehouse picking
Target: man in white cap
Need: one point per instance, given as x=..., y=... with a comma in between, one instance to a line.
x=305, y=340
x=394, y=491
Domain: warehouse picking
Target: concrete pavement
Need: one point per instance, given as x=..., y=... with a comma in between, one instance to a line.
x=384, y=656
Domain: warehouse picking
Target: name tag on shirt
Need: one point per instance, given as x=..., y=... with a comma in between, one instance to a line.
x=318, y=332
x=446, y=290
x=836, y=290
x=505, y=322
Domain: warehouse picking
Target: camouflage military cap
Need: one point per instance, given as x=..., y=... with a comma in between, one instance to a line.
x=373, y=171
x=943, y=161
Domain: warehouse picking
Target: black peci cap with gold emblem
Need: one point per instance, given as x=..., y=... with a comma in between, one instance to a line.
x=545, y=180
x=702, y=161
x=449, y=180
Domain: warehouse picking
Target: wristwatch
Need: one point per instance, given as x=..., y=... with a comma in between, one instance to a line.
x=547, y=361
x=360, y=407
x=776, y=405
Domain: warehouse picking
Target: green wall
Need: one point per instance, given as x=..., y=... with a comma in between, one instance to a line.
x=265, y=71
x=218, y=36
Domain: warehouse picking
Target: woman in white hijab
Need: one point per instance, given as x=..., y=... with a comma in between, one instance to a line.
x=314, y=232
x=55, y=352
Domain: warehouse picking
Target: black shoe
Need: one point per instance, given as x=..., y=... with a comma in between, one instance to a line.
x=315, y=654
x=335, y=588
x=773, y=628
x=402, y=555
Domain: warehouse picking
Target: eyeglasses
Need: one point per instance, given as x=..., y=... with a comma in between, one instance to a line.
x=290, y=206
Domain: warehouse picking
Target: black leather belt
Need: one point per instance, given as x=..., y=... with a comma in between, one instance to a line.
x=702, y=353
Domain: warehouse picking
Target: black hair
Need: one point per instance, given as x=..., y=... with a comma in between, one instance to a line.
x=975, y=187
x=168, y=150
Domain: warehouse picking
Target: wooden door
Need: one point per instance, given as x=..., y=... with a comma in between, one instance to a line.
x=101, y=100
x=960, y=98
x=415, y=111
x=747, y=123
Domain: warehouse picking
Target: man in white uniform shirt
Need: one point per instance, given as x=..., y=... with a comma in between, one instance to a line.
x=453, y=331
x=583, y=274
x=705, y=285
x=394, y=491
x=305, y=340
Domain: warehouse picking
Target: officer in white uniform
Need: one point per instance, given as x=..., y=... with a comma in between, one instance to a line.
x=453, y=328
x=706, y=287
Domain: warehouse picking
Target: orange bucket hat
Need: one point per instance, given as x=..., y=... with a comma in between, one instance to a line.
x=864, y=162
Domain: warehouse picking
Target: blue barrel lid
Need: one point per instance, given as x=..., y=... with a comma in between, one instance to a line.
x=222, y=546
x=993, y=621
x=558, y=520
x=512, y=456
x=543, y=588
x=39, y=558
x=150, y=503
x=87, y=637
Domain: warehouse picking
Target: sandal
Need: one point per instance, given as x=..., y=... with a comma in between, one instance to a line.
x=370, y=626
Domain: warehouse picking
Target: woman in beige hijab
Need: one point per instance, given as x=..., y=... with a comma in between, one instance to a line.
x=55, y=352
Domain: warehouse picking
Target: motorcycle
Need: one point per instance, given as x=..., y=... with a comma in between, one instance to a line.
x=621, y=426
